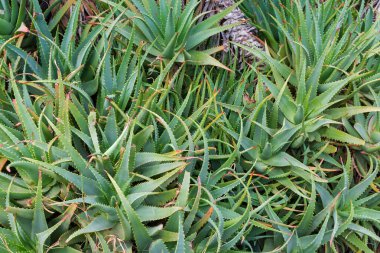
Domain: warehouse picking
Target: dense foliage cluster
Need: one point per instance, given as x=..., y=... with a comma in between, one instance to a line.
x=125, y=127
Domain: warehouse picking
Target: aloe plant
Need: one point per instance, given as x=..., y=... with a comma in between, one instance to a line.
x=62, y=55
x=171, y=30
x=12, y=16
x=307, y=83
x=105, y=149
x=348, y=213
x=338, y=38
x=109, y=171
x=366, y=128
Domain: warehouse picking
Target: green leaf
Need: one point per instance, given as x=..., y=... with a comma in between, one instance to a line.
x=335, y=134
x=39, y=223
x=140, y=233
x=100, y=223
x=202, y=58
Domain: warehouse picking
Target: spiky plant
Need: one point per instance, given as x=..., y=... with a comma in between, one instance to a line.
x=62, y=55
x=308, y=27
x=11, y=17
x=172, y=31
x=296, y=173
x=111, y=181
x=278, y=156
